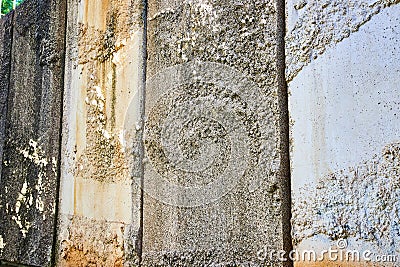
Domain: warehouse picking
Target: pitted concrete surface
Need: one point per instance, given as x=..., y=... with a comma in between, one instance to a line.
x=211, y=140
x=90, y=242
x=5, y=65
x=360, y=203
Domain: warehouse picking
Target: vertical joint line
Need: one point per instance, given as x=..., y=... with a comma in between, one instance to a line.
x=140, y=138
x=58, y=189
x=285, y=176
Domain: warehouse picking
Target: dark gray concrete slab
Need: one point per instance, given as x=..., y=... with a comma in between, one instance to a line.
x=28, y=187
x=5, y=66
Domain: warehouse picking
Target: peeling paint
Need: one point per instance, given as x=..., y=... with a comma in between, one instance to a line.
x=22, y=200
x=35, y=154
x=31, y=196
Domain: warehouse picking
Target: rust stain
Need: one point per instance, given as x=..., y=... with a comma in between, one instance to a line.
x=93, y=243
x=102, y=156
x=101, y=169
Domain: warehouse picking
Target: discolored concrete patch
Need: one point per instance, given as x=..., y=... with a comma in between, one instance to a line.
x=103, y=75
x=344, y=108
x=89, y=242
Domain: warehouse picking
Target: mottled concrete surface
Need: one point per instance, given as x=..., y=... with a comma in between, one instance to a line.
x=5, y=68
x=345, y=128
x=212, y=197
x=28, y=189
x=100, y=205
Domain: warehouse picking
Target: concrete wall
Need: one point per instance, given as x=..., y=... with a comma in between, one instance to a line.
x=106, y=166
x=162, y=129
x=343, y=72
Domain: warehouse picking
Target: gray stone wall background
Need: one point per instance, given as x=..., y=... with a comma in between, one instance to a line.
x=157, y=133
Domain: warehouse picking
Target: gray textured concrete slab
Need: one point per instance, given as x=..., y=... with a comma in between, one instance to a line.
x=212, y=195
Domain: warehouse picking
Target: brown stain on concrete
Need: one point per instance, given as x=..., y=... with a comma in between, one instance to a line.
x=101, y=171
x=93, y=243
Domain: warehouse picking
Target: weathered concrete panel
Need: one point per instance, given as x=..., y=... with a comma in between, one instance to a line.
x=212, y=196
x=99, y=204
x=28, y=185
x=5, y=67
x=345, y=111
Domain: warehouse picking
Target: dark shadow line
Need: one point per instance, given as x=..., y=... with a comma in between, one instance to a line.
x=142, y=102
x=58, y=189
x=284, y=146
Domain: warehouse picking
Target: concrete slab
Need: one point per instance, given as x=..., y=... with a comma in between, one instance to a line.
x=212, y=196
x=99, y=203
x=28, y=185
x=5, y=68
x=345, y=112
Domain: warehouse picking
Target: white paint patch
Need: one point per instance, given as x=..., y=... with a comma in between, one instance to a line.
x=2, y=244
x=21, y=197
x=35, y=155
x=22, y=200
x=24, y=226
x=54, y=166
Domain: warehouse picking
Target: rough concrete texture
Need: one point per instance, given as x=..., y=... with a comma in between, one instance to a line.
x=360, y=203
x=100, y=206
x=344, y=107
x=212, y=197
x=5, y=68
x=28, y=185
x=313, y=26
x=93, y=243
